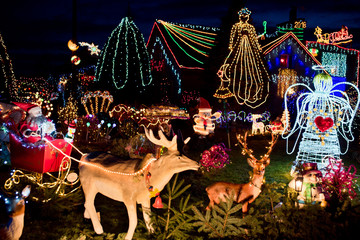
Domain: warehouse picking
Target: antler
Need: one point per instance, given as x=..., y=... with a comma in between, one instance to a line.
x=265, y=159
x=163, y=141
x=245, y=150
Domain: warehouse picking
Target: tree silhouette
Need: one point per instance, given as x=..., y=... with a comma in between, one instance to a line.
x=123, y=68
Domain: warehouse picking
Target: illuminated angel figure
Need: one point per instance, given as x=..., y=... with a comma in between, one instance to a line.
x=243, y=74
x=324, y=114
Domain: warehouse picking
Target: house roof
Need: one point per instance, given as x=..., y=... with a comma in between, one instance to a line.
x=272, y=45
x=188, y=44
x=338, y=49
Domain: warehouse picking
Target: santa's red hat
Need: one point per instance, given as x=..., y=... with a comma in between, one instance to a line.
x=203, y=103
x=25, y=106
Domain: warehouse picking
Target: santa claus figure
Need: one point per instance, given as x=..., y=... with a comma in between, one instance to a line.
x=205, y=121
x=36, y=125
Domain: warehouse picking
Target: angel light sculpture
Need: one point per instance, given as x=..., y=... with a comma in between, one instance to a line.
x=243, y=73
x=324, y=115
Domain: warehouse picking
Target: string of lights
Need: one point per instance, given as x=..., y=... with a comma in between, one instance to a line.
x=139, y=172
x=174, y=69
x=124, y=57
x=198, y=38
x=243, y=70
x=171, y=36
x=11, y=83
x=321, y=117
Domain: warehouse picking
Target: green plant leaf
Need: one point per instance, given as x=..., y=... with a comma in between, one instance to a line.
x=219, y=210
x=235, y=209
x=181, y=191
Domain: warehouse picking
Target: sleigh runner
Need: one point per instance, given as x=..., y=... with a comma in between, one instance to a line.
x=47, y=164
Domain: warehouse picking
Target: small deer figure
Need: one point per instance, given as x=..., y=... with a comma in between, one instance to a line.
x=257, y=126
x=14, y=228
x=244, y=193
x=118, y=179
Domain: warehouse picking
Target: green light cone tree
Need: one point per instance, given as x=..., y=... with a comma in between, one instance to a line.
x=124, y=65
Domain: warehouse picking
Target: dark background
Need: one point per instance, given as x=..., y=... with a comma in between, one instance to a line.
x=36, y=32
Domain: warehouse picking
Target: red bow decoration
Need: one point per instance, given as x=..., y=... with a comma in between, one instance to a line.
x=323, y=123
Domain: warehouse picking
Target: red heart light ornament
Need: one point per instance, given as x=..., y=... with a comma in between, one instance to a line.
x=323, y=123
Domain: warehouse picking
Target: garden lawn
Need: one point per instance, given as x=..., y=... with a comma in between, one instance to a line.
x=63, y=218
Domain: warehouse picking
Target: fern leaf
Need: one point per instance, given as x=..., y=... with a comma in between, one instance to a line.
x=181, y=191
x=231, y=228
x=198, y=214
x=235, y=209
x=219, y=210
x=177, y=187
x=207, y=216
x=236, y=221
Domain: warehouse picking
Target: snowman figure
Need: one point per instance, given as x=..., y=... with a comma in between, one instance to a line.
x=307, y=183
x=205, y=121
x=69, y=137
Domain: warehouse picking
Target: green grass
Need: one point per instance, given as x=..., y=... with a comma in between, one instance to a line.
x=62, y=217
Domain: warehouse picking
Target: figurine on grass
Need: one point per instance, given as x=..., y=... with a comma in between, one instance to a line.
x=308, y=184
x=204, y=120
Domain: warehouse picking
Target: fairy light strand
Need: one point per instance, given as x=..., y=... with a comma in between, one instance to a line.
x=321, y=117
x=125, y=43
x=243, y=73
x=102, y=168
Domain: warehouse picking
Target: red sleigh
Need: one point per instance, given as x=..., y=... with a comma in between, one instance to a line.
x=41, y=158
x=47, y=165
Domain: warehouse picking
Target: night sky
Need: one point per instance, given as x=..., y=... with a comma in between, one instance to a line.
x=36, y=32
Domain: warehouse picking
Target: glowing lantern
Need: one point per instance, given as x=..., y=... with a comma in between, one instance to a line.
x=72, y=46
x=307, y=184
x=284, y=60
x=314, y=51
x=205, y=121
x=75, y=60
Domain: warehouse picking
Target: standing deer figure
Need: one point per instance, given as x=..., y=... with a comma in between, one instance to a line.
x=244, y=193
x=257, y=126
x=131, y=181
x=14, y=228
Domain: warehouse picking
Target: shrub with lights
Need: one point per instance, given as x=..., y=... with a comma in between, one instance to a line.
x=215, y=158
x=339, y=181
x=95, y=128
x=68, y=113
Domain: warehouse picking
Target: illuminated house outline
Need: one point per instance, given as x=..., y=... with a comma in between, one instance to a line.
x=352, y=59
x=288, y=52
x=179, y=53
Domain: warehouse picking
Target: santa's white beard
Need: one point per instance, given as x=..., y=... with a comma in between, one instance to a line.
x=36, y=121
x=42, y=123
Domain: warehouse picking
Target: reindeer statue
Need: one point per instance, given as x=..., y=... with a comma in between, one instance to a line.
x=131, y=181
x=244, y=193
x=257, y=126
x=14, y=228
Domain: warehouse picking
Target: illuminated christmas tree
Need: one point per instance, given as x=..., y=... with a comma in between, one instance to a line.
x=8, y=82
x=243, y=73
x=68, y=113
x=124, y=65
x=322, y=117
